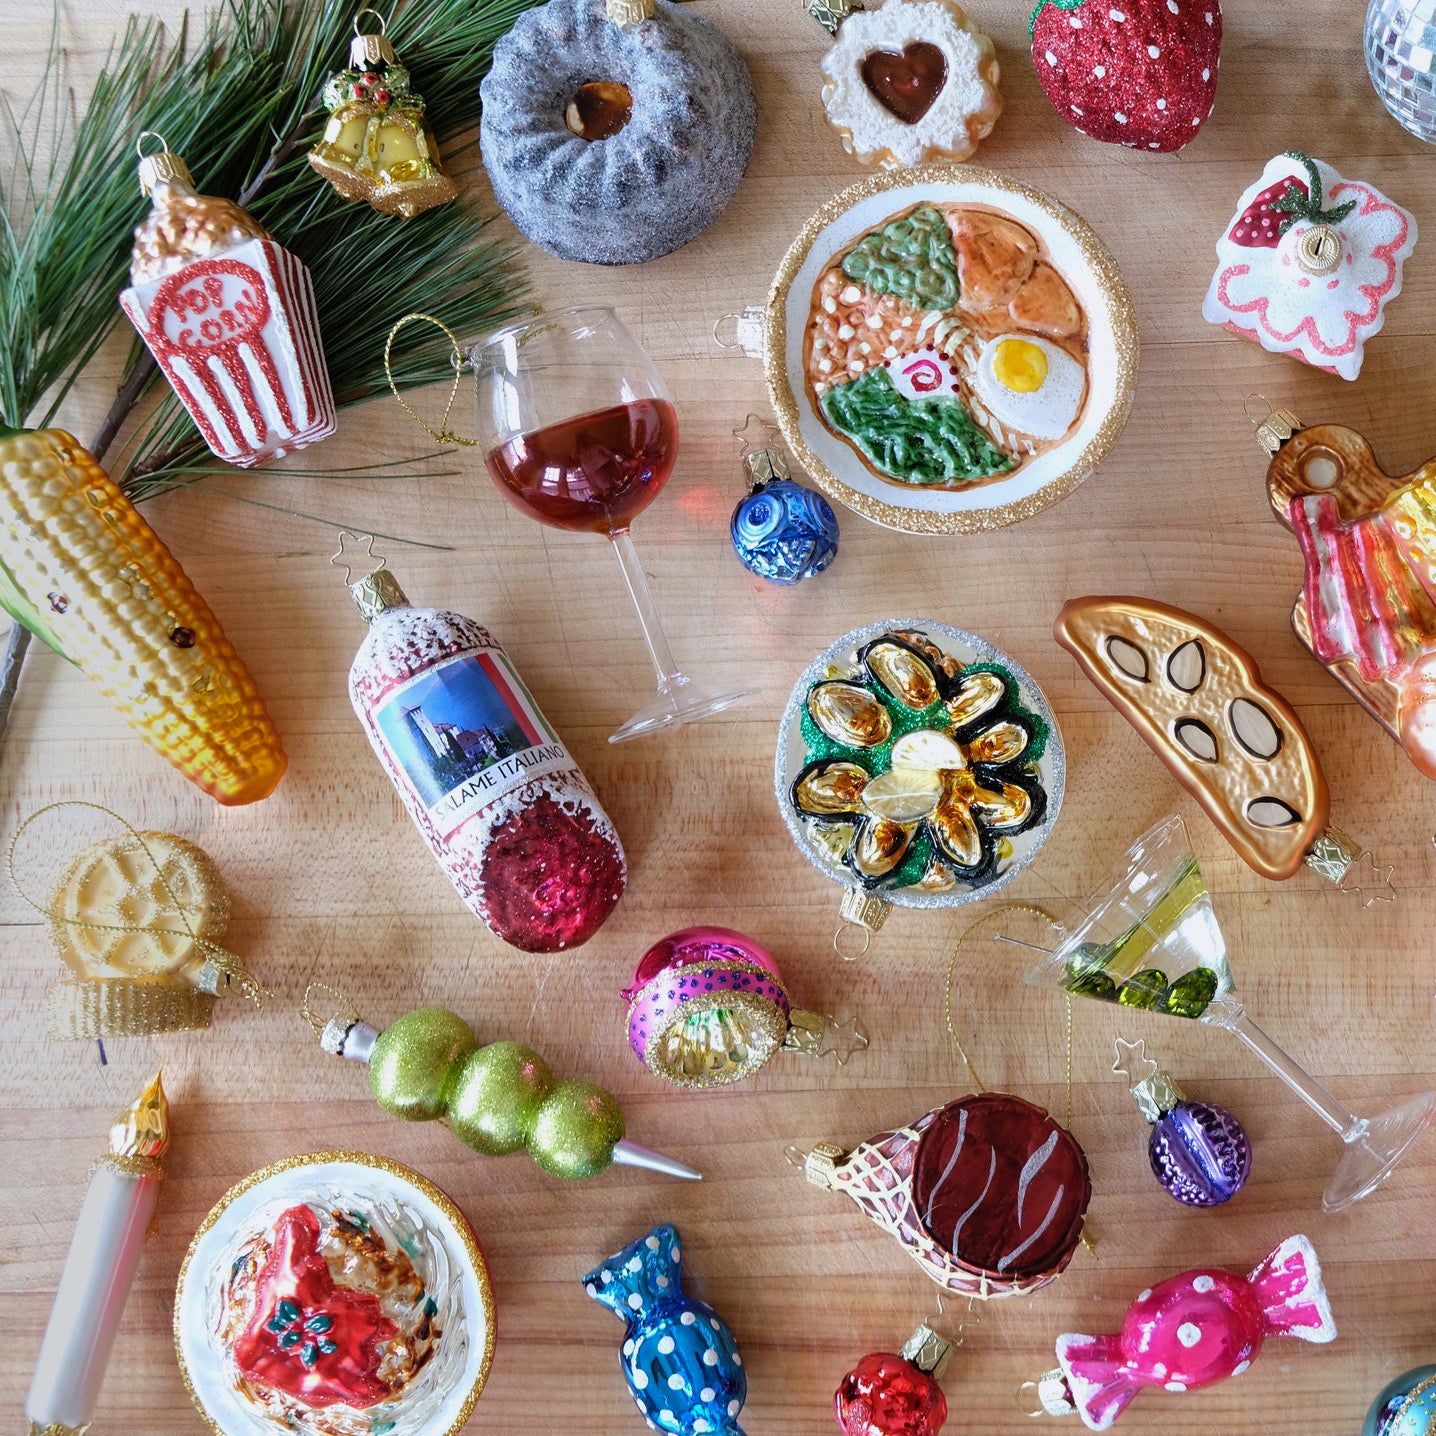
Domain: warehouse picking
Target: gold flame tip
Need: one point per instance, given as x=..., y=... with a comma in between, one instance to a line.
x=143, y=1128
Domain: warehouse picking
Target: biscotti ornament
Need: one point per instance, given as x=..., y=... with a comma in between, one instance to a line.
x=918, y=766
x=1309, y=263
x=377, y=145
x=679, y=1358
x=497, y=1098
x=911, y=81
x=1188, y=1332
x=229, y=316
x=138, y=919
x=708, y=1006
x=615, y=131
x=486, y=779
x=1405, y=1407
x=1237, y=746
x=891, y=1393
x=335, y=1293
x=82, y=570
x=1367, y=608
x=1140, y=73
x=987, y=1194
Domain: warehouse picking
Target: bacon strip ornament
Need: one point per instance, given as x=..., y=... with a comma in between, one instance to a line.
x=986, y=1194
x=1190, y=1331
x=229, y=316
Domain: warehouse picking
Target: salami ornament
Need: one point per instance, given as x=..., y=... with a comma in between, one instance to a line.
x=229, y=316
x=896, y=1393
x=679, y=1358
x=782, y=531
x=498, y=1099
x=1142, y=73
x=1406, y=1406
x=1199, y=1152
x=986, y=1194
x=488, y=782
x=912, y=81
x=708, y=1006
x=1308, y=264
x=1190, y=1331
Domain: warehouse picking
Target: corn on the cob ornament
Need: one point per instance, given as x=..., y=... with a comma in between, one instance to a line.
x=81, y=569
x=377, y=146
x=229, y=316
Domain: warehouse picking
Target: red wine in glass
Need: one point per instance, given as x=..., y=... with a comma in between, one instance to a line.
x=593, y=473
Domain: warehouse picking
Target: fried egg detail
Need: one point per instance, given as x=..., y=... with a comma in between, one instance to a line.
x=1030, y=385
x=923, y=374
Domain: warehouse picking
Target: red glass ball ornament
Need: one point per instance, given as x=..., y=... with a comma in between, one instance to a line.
x=887, y=1395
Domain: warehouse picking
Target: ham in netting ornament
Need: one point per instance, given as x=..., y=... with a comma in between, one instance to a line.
x=229, y=316
x=986, y=1194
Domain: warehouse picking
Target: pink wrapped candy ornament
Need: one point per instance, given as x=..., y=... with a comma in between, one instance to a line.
x=708, y=1006
x=1190, y=1331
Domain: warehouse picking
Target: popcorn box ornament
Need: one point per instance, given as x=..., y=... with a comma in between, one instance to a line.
x=1309, y=263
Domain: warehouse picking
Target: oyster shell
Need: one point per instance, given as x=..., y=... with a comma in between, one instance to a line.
x=977, y=693
x=830, y=790
x=849, y=715
x=880, y=848
x=908, y=676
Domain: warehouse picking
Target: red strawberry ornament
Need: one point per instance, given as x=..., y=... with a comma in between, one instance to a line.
x=1141, y=73
x=1280, y=205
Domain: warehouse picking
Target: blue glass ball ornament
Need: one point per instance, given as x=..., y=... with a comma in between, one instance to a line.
x=678, y=1356
x=1406, y=1406
x=784, y=532
x=1200, y=1153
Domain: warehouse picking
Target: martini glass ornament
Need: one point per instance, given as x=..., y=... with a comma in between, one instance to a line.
x=1149, y=940
x=579, y=432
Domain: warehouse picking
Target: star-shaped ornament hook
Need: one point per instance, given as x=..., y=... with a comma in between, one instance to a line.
x=356, y=551
x=1370, y=882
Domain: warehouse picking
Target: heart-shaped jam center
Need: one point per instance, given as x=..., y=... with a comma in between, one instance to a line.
x=906, y=84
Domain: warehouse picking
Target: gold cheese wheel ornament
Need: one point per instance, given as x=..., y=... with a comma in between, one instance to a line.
x=138, y=920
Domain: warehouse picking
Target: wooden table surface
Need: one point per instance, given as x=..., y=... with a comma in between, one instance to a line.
x=331, y=882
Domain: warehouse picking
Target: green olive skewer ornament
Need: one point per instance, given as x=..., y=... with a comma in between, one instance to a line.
x=496, y=1098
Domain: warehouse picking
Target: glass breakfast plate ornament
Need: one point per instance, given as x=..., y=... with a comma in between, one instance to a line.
x=947, y=350
x=918, y=766
x=1148, y=940
x=335, y=1294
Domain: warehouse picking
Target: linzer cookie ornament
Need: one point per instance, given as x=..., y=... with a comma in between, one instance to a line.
x=335, y=1293
x=916, y=765
x=1140, y=73
x=1309, y=263
x=947, y=350
x=891, y=1393
x=1188, y=1332
x=497, y=1099
x=1367, y=608
x=487, y=781
x=986, y=1194
x=708, y=1006
x=911, y=81
x=1237, y=746
x=377, y=145
x=229, y=316
x=782, y=531
x=615, y=131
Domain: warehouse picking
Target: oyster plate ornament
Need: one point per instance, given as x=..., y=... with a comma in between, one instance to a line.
x=918, y=766
x=335, y=1294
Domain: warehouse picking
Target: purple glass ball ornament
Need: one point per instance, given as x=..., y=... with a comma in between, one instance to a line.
x=1200, y=1153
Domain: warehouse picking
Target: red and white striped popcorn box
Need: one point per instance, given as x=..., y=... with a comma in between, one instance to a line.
x=237, y=336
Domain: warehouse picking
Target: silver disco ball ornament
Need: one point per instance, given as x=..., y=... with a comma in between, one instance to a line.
x=1401, y=59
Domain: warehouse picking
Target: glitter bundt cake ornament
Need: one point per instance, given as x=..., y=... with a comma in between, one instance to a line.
x=615, y=131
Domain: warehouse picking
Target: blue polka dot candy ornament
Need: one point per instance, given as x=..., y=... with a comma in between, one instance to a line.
x=678, y=1356
x=782, y=531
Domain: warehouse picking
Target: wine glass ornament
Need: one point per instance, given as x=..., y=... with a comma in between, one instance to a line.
x=335, y=1292
x=918, y=766
x=377, y=145
x=782, y=531
x=1308, y=263
x=896, y=1393
x=1238, y=747
x=1405, y=1407
x=708, y=1006
x=946, y=349
x=1148, y=940
x=497, y=1098
x=1199, y=1152
x=1367, y=609
x=1188, y=1332
x=986, y=1194
x=912, y=81
x=679, y=1358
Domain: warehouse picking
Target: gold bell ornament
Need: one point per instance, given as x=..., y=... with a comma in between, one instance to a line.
x=376, y=146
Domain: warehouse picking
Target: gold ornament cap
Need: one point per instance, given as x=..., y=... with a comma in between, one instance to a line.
x=927, y=1350
x=1155, y=1096
x=864, y=909
x=1319, y=250
x=830, y=14
x=631, y=12
x=162, y=167
x=143, y=1128
x=378, y=592
x=1333, y=855
x=368, y=51
x=1276, y=429
x=820, y=1166
x=763, y=466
